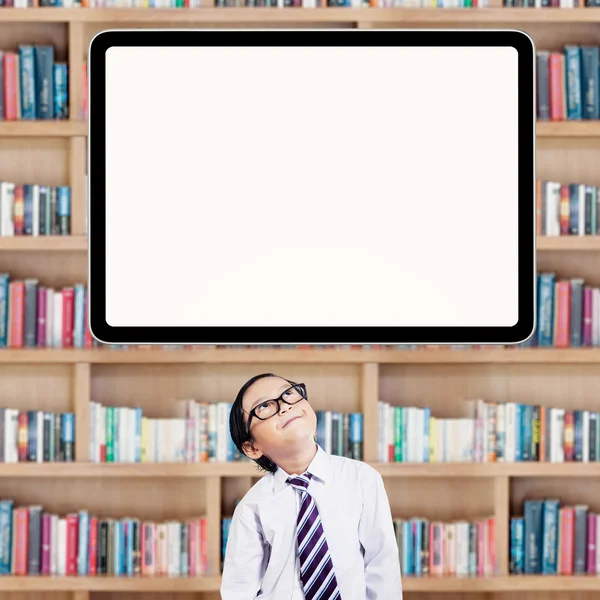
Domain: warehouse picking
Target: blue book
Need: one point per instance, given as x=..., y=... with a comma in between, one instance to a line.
x=117, y=547
x=526, y=431
x=27, y=81
x=61, y=96
x=79, y=317
x=546, y=283
x=138, y=435
x=590, y=56
x=68, y=432
x=321, y=428
x=82, y=550
x=64, y=209
x=518, y=431
x=356, y=435
x=28, y=209
x=407, y=549
x=550, y=538
x=516, y=545
x=533, y=536
x=574, y=208
x=6, y=533
x=44, y=81
x=418, y=530
x=4, y=282
x=573, y=82
x=129, y=547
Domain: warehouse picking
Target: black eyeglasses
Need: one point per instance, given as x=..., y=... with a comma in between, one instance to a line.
x=269, y=408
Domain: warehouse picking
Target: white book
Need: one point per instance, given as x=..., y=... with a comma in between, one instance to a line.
x=62, y=547
x=54, y=544
x=57, y=319
x=328, y=427
x=92, y=426
x=501, y=432
x=7, y=208
x=49, y=317
x=212, y=432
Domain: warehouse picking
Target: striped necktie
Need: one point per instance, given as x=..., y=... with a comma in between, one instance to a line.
x=316, y=568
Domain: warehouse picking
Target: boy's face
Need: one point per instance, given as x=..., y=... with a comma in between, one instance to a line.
x=288, y=431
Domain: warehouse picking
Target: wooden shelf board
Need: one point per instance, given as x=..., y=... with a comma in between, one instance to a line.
x=84, y=470
x=242, y=356
x=339, y=15
x=544, y=129
x=44, y=243
x=48, y=128
x=506, y=583
x=101, y=583
x=79, y=243
x=568, y=129
x=564, y=243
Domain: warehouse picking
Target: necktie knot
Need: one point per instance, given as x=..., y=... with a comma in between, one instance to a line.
x=300, y=482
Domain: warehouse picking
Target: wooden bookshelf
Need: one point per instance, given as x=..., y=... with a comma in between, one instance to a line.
x=348, y=380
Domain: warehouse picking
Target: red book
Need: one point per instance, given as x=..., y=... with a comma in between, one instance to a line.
x=72, y=540
x=587, y=316
x=17, y=314
x=556, y=69
x=93, y=546
x=203, y=551
x=569, y=436
x=491, y=538
x=22, y=545
x=46, y=543
x=10, y=86
x=23, y=436
x=567, y=541
x=563, y=330
x=88, y=340
x=68, y=310
x=19, y=210
x=565, y=209
x=591, y=543
x=481, y=548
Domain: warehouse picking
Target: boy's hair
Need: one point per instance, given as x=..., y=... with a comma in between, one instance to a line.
x=237, y=424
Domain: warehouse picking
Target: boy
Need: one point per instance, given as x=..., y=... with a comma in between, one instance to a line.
x=316, y=527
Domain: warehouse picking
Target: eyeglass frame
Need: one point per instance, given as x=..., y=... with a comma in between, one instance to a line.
x=279, y=400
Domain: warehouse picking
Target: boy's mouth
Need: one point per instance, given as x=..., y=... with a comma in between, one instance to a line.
x=290, y=420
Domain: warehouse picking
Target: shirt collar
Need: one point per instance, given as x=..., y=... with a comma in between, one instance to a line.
x=319, y=468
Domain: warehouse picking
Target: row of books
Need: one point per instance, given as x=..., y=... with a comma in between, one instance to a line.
x=34, y=315
x=33, y=84
x=496, y=432
x=34, y=209
x=120, y=434
x=550, y=539
x=458, y=548
x=568, y=83
x=411, y=434
x=340, y=434
x=34, y=541
x=100, y=3
x=567, y=208
x=513, y=432
x=36, y=436
x=567, y=313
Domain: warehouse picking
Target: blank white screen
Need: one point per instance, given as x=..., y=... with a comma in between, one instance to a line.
x=342, y=186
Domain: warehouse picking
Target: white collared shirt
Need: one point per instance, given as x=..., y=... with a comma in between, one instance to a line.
x=357, y=521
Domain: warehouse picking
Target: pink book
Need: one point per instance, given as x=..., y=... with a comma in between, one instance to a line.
x=41, y=322
x=591, y=549
x=46, y=543
x=587, y=316
x=481, y=547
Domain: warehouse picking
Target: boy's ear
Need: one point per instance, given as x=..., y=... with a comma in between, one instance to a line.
x=251, y=451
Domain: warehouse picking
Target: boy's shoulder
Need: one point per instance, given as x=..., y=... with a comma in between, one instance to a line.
x=352, y=468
